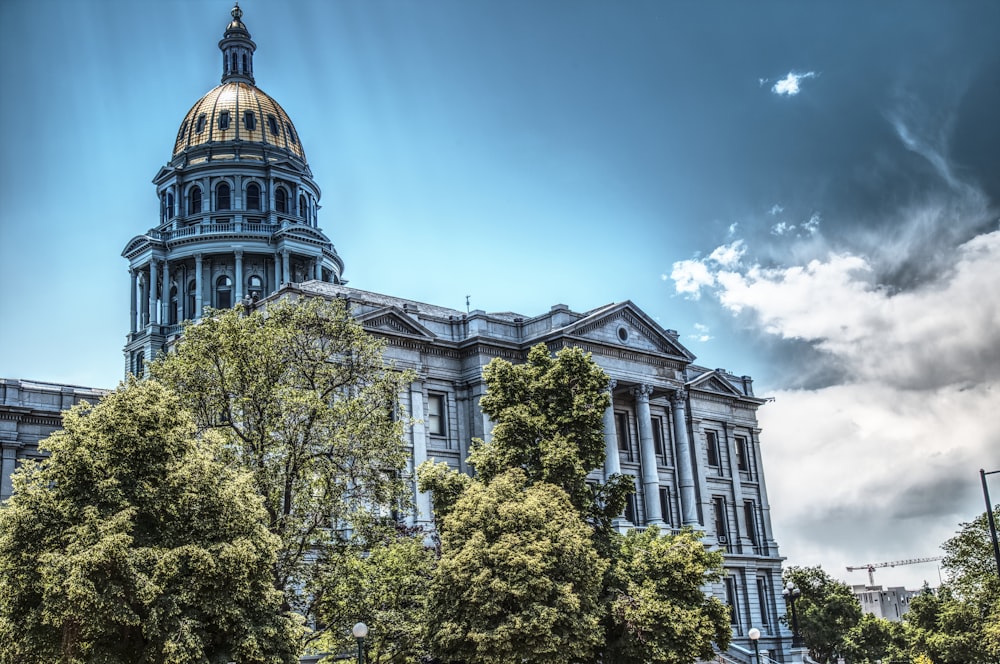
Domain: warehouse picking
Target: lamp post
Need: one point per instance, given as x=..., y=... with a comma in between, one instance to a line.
x=360, y=631
x=754, y=635
x=791, y=593
x=989, y=515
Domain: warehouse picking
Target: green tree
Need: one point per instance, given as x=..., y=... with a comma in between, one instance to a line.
x=548, y=421
x=383, y=584
x=548, y=416
x=518, y=579
x=947, y=630
x=659, y=611
x=302, y=399
x=872, y=639
x=131, y=543
x=827, y=611
x=971, y=565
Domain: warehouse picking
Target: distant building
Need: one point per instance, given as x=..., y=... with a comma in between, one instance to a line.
x=239, y=221
x=889, y=603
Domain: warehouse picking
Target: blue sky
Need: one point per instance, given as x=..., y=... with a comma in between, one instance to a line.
x=807, y=192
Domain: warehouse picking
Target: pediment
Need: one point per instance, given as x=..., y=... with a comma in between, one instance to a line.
x=627, y=326
x=713, y=382
x=394, y=321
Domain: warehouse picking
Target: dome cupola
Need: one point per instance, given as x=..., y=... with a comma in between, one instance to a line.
x=237, y=50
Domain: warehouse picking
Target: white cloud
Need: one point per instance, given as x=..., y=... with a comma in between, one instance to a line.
x=728, y=255
x=811, y=225
x=701, y=333
x=789, y=85
x=775, y=210
x=690, y=277
x=782, y=228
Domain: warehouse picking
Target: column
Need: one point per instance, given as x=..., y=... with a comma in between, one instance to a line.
x=318, y=269
x=685, y=468
x=8, y=439
x=238, y=292
x=612, y=464
x=196, y=315
x=153, y=276
x=284, y=267
x=647, y=451
x=134, y=305
x=277, y=274
x=424, y=514
x=165, y=294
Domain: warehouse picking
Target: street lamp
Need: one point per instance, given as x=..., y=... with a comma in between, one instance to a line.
x=791, y=593
x=989, y=515
x=754, y=635
x=360, y=631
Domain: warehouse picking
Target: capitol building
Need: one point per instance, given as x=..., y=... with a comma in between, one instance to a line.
x=239, y=222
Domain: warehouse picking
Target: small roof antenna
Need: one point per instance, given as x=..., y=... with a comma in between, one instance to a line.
x=467, y=303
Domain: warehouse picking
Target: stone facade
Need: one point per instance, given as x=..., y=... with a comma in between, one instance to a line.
x=29, y=412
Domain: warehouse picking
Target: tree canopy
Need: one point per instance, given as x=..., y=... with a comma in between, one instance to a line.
x=132, y=543
x=827, y=610
x=302, y=399
x=518, y=579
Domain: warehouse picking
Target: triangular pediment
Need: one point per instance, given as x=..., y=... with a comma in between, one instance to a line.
x=713, y=382
x=627, y=326
x=393, y=321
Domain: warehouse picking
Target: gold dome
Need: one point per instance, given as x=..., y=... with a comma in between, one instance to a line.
x=238, y=111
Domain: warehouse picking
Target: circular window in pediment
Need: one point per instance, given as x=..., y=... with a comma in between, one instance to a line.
x=623, y=334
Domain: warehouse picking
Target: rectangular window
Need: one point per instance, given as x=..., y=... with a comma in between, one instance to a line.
x=249, y=120
x=621, y=429
x=658, y=437
x=665, y=504
x=272, y=124
x=224, y=120
x=750, y=513
x=732, y=599
x=435, y=414
x=712, y=441
x=721, y=525
x=762, y=597
x=742, y=453
x=631, y=508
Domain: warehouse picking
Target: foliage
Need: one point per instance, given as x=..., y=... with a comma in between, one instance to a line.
x=970, y=563
x=659, y=612
x=518, y=579
x=548, y=421
x=384, y=585
x=444, y=484
x=301, y=398
x=826, y=610
x=131, y=543
x=872, y=639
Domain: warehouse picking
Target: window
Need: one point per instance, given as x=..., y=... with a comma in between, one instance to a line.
x=291, y=132
x=742, y=453
x=303, y=210
x=192, y=299
x=249, y=120
x=223, y=197
x=224, y=120
x=732, y=599
x=658, y=437
x=232, y=63
x=138, y=363
x=712, y=441
x=255, y=288
x=200, y=124
x=253, y=196
x=762, y=595
x=194, y=200
x=665, y=504
x=172, y=307
x=631, y=508
x=272, y=124
x=435, y=414
x=721, y=525
x=246, y=69
x=621, y=429
x=750, y=514
x=183, y=130
x=224, y=293
x=281, y=200
x=170, y=205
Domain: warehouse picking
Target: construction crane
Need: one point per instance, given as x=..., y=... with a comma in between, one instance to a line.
x=871, y=567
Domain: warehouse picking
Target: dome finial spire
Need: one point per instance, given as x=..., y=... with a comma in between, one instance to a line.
x=237, y=50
